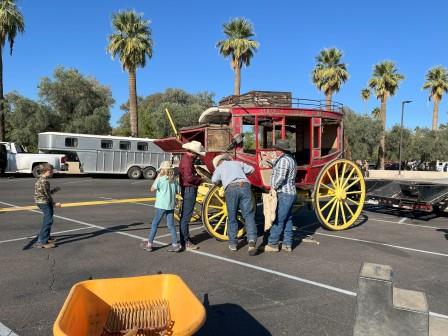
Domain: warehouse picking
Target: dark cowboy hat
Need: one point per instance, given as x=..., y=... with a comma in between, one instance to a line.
x=283, y=145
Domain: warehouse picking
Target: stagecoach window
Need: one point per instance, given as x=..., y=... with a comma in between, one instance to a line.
x=125, y=145
x=71, y=142
x=249, y=135
x=142, y=146
x=316, y=137
x=107, y=144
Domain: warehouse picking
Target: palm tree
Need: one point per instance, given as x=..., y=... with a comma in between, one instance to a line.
x=385, y=81
x=238, y=46
x=329, y=73
x=132, y=42
x=11, y=23
x=365, y=96
x=376, y=112
x=437, y=84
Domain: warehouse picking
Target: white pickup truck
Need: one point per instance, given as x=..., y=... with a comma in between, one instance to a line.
x=20, y=161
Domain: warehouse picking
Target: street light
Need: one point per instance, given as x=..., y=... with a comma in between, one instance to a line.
x=401, y=133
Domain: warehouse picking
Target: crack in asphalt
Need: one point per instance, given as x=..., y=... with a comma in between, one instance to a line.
x=52, y=272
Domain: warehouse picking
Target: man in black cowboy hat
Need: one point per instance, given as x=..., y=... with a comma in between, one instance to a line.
x=284, y=170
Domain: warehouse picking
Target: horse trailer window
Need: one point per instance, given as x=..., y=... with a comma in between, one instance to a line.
x=107, y=144
x=71, y=142
x=125, y=145
x=142, y=146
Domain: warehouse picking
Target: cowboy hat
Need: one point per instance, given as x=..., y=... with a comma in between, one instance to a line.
x=195, y=147
x=219, y=158
x=283, y=145
x=165, y=165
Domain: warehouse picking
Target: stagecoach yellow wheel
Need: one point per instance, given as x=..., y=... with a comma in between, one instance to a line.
x=214, y=215
x=339, y=194
x=196, y=212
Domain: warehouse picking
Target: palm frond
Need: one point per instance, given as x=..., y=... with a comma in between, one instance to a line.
x=11, y=23
x=131, y=40
x=330, y=73
x=238, y=46
x=385, y=79
x=436, y=82
x=365, y=94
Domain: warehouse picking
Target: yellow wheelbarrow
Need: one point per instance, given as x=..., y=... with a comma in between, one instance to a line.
x=147, y=305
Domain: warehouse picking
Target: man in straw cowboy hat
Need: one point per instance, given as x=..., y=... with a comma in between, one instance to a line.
x=232, y=175
x=284, y=170
x=189, y=181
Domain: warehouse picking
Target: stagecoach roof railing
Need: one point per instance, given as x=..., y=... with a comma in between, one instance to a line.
x=276, y=102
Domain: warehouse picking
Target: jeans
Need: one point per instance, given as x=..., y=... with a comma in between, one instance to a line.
x=47, y=222
x=240, y=197
x=169, y=221
x=283, y=219
x=188, y=202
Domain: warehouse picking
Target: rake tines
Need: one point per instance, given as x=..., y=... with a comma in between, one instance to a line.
x=151, y=317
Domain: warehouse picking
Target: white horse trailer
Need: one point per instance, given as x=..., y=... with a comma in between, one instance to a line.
x=105, y=154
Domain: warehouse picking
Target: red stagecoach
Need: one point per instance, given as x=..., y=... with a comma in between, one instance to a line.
x=247, y=126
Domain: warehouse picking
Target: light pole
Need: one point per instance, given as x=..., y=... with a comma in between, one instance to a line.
x=401, y=133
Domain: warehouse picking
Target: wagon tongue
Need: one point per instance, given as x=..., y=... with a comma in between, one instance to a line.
x=171, y=145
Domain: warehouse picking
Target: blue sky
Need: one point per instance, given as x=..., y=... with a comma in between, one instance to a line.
x=291, y=33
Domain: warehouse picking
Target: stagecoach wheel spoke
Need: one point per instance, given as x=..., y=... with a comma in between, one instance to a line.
x=349, y=199
x=336, y=219
x=352, y=184
x=348, y=177
x=216, y=215
x=337, y=174
x=327, y=187
x=344, y=219
x=349, y=209
x=342, y=181
x=215, y=206
x=331, y=180
x=357, y=192
x=331, y=211
x=224, y=216
x=339, y=194
x=225, y=227
x=326, y=205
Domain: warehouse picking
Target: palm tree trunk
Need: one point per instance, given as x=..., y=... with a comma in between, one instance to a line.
x=2, y=100
x=381, y=149
x=435, y=114
x=328, y=101
x=133, y=113
x=237, y=81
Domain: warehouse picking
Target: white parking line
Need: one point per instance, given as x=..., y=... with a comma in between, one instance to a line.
x=408, y=224
x=402, y=220
x=378, y=243
x=138, y=182
x=232, y=261
x=5, y=331
x=34, y=236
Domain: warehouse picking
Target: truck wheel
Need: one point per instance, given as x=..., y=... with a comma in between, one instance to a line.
x=37, y=170
x=149, y=173
x=134, y=173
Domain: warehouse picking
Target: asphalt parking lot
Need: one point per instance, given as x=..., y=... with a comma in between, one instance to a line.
x=310, y=291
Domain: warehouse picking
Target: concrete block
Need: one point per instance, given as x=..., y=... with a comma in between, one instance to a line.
x=373, y=300
x=383, y=310
x=376, y=272
x=438, y=326
x=410, y=300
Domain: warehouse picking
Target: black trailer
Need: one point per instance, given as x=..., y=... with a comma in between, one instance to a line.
x=421, y=196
